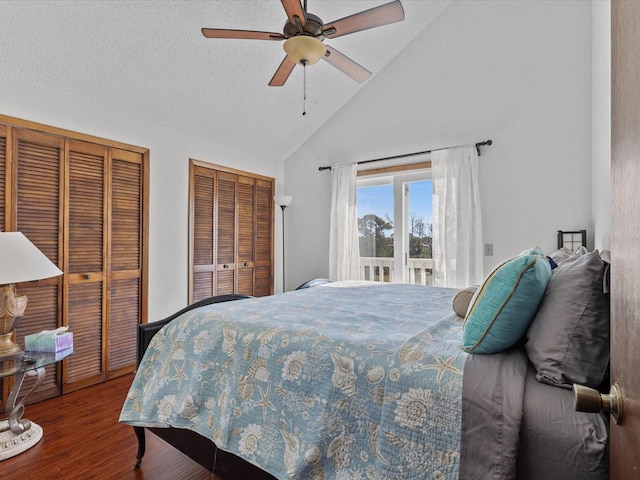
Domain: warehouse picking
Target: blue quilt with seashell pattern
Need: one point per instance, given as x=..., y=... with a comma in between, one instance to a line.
x=350, y=380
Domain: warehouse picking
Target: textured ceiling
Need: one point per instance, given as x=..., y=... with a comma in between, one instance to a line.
x=148, y=59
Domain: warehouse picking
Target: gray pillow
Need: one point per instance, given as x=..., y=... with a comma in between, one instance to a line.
x=560, y=254
x=568, y=340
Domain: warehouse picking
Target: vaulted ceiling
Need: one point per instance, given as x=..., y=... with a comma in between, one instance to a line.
x=148, y=59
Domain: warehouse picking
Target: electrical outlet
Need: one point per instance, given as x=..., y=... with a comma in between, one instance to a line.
x=488, y=249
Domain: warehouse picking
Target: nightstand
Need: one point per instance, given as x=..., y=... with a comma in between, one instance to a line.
x=18, y=434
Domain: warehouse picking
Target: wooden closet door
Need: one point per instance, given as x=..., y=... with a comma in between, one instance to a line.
x=37, y=171
x=4, y=155
x=246, y=234
x=202, y=249
x=230, y=232
x=125, y=260
x=83, y=201
x=263, y=284
x=225, y=219
x=85, y=283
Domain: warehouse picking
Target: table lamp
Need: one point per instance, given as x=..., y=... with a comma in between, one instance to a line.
x=20, y=261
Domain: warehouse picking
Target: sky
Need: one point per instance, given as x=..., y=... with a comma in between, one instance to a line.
x=379, y=200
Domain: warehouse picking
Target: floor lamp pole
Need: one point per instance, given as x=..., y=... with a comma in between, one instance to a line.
x=283, y=277
x=283, y=201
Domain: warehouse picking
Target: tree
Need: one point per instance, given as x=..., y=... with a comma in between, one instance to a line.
x=428, y=240
x=420, y=235
x=373, y=240
x=416, y=231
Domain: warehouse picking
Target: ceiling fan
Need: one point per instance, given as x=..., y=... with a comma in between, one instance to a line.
x=303, y=36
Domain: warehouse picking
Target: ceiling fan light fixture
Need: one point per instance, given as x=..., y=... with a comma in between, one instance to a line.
x=304, y=49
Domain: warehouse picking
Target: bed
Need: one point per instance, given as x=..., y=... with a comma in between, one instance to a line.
x=350, y=380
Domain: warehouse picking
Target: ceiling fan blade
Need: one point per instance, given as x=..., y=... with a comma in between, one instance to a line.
x=283, y=72
x=346, y=65
x=241, y=34
x=374, y=17
x=294, y=10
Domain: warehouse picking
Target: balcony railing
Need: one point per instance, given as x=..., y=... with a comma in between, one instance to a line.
x=380, y=269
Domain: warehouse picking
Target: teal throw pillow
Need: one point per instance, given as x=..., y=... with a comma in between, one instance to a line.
x=505, y=304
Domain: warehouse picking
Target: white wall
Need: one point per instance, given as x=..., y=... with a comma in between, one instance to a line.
x=170, y=151
x=601, y=124
x=517, y=72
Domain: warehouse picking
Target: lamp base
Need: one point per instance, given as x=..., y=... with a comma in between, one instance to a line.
x=12, y=308
x=8, y=348
x=12, y=444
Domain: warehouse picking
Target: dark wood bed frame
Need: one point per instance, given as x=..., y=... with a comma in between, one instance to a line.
x=195, y=446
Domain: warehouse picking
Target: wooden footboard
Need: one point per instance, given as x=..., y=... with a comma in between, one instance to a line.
x=146, y=331
x=190, y=443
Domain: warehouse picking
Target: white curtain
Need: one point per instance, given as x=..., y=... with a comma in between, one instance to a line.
x=457, y=226
x=344, y=252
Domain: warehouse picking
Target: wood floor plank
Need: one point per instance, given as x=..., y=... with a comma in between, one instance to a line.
x=83, y=440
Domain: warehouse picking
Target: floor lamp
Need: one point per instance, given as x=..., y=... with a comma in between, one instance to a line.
x=283, y=201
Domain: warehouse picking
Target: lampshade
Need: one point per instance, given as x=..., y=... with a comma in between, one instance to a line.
x=283, y=200
x=21, y=261
x=304, y=49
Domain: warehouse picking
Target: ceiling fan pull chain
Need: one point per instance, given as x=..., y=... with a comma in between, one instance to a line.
x=304, y=87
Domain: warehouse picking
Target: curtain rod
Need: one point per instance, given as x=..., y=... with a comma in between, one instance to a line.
x=486, y=143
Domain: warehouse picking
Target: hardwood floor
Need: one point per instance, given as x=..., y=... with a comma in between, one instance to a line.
x=83, y=440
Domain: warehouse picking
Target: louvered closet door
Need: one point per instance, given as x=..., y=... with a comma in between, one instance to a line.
x=226, y=233
x=125, y=259
x=4, y=145
x=84, y=203
x=231, y=232
x=38, y=163
x=203, y=248
x=85, y=273
x=4, y=155
x=264, y=239
x=246, y=234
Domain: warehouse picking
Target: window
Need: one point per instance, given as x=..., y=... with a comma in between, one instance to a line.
x=395, y=227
